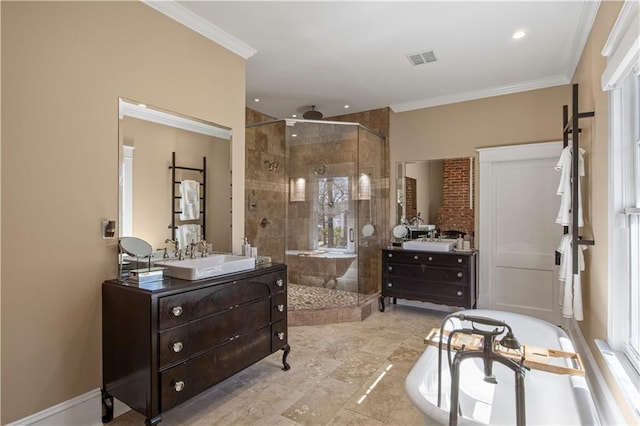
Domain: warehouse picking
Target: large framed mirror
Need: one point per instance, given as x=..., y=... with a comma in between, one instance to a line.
x=160, y=151
x=438, y=193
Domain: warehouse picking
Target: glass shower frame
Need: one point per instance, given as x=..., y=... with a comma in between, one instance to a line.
x=334, y=201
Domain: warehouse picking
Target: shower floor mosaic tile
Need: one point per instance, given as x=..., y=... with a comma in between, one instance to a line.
x=331, y=382
x=307, y=297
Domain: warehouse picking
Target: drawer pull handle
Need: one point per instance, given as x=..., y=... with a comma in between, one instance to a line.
x=281, y=308
x=415, y=257
x=232, y=338
x=179, y=386
x=177, y=311
x=460, y=274
x=459, y=260
x=390, y=268
x=389, y=284
x=390, y=254
x=280, y=282
x=459, y=293
x=177, y=347
x=430, y=258
x=281, y=335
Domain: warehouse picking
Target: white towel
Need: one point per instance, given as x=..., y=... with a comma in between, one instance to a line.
x=189, y=200
x=571, y=291
x=187, y=234
x=564, y=186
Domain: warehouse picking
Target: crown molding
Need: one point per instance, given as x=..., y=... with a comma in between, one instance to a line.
x=585, y=23
x=557, y=80
x=203, y=27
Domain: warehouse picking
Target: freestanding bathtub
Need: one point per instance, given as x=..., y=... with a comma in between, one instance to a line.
x=327, y=265
x=550, y=399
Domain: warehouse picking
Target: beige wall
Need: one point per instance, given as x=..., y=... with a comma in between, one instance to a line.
x=64, y=66
x=457, y=130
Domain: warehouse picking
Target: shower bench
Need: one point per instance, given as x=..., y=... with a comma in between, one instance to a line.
x=445, y=278
x=165, y=342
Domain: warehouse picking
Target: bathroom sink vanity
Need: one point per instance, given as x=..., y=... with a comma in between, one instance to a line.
x=437, y=277
x=166, y=341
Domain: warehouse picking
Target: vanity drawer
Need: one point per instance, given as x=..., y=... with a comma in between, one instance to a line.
x=184, y=307
x=182, y=342
x=429, y=291
x=185, y=380
x=423, y=272
x=428, y=258
x=279, y=307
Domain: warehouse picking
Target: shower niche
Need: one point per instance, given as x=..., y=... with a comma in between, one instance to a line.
x=326, y=204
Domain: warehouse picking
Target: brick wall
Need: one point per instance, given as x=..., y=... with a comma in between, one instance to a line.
x=455, y=213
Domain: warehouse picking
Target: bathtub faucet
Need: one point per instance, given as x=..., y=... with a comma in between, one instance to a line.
x=488, y=356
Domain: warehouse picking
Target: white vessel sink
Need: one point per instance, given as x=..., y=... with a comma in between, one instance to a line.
x=206, y=267
x=444, y=245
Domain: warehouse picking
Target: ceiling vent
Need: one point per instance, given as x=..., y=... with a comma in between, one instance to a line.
x=422, y=57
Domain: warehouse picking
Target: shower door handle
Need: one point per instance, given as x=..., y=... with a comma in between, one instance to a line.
x=351, y=235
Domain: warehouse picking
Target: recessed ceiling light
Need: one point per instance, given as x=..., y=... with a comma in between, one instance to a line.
x=256, y=100
x=518, y=35
x=346, y=107
x=294, y=116
x=294, y=135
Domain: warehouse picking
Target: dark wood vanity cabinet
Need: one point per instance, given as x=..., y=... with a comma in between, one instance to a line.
x=165, y=342
x=442, y=278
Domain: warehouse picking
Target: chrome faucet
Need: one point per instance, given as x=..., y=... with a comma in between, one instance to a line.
x=192, y=246
x=176, y=247
x=203, y=248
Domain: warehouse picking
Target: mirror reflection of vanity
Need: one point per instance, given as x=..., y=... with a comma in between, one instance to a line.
x=150, y=141
x=438, y=193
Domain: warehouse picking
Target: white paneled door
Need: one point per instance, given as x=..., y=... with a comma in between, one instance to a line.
x=518, y=234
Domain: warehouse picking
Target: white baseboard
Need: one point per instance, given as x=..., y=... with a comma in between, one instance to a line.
x=606, y=405
x=83, y=410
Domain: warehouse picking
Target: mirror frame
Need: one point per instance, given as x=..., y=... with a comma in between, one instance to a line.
x=400, y=186
x=151, y=113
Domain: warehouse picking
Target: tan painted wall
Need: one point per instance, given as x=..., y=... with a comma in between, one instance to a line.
x=457, y=130
x=64, y=65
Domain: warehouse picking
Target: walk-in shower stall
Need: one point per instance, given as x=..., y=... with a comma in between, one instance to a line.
x=317, y=199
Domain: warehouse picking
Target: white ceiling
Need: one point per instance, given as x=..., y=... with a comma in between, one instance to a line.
x=328, y=54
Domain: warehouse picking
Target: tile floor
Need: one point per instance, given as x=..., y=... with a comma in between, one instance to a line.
x=333, y=370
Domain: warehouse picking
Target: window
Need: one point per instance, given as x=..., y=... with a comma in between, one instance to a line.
x=332, y=212
x=622, y=79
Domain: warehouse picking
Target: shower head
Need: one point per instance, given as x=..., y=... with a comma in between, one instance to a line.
x=312, y=114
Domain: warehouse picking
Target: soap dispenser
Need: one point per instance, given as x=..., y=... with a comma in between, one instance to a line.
x=460, y=242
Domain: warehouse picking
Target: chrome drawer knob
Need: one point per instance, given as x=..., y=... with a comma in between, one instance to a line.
x=280, y=282
x=415, y=257
x=430, y=258
x=389, y=284
x=281, y=335
x=390, y=268
x=179, y=386
x=177, y=347
x=459, y=274
x=177, y=311
x=459, y=260
x=459, y=293
x=281, y=308
x=390, y=255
